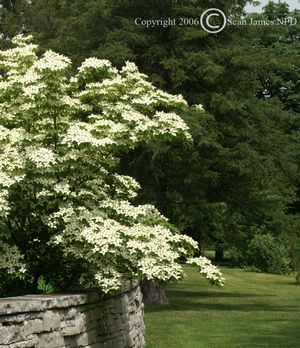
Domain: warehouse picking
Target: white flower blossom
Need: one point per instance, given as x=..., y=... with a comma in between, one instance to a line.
x=52, y=61
x=210, y=271
x=32, y=90
x=199, y=107
x=59, y=157
x=41, y=157
x=95, y=63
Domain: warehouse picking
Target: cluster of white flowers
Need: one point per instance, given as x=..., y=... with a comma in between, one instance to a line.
x=32, y=90
x=52, y=61
x=103, y=236
x=153, y=270
x=128, y=184
x=11, y=260
x=210, y=271
x=11, y=164
x=20, y=51
x=6, y=180
x=41, y=157
x=30, y=76
x=199, y=107
x=172, y=123
x=131, y=68
x=22, y=40
x=80, y=133
x=108, y=280
x=4, y=85
x=67, y=167
x=4, y=205
x=127, y=210
x=147, y=251
x=62, y=188
x=127, y=99
x=65, y=214
x=72, y=102
x=169, y=98
x=95, y=63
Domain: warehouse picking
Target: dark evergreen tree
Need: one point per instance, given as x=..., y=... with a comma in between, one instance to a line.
x=241, y=173
x=12, y=19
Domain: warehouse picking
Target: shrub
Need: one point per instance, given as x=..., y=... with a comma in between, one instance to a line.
x=268, y=254
x=66, y=215
x=237, y=256
x=296, y=260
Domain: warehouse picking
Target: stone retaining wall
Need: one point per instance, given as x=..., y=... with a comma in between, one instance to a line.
x=73, y=320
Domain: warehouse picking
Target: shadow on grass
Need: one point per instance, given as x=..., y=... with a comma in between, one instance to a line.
x=249, y=307
x=201, y=294
x=196, y=301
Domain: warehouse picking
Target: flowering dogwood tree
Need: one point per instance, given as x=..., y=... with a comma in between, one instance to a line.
x=65, y=212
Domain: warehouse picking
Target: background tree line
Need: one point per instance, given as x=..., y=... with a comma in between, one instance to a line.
x=237, y=187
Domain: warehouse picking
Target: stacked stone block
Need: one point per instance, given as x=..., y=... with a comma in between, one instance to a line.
x=73, y=320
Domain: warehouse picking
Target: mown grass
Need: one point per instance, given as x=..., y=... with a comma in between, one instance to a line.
x=253, y=310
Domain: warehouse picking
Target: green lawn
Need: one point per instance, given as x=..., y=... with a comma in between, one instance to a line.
x=252, y=310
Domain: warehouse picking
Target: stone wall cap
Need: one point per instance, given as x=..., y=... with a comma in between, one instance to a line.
x=38, y=303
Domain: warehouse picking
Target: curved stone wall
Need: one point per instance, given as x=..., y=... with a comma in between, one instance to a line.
x=73, y=320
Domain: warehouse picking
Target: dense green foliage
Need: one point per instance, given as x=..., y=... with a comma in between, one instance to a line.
x=241, y=173
x=264, y=253
x=267, y=255
x=252, y=311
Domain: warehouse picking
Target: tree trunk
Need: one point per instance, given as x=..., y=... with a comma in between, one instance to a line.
x=153, y=293
x=219, y=255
